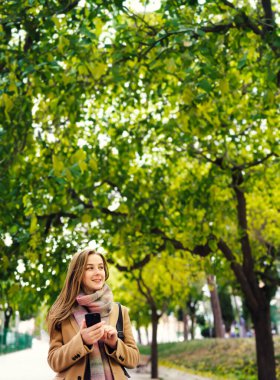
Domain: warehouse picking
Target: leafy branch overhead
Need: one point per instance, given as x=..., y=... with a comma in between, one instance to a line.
x=153, y=134
x=240, y=17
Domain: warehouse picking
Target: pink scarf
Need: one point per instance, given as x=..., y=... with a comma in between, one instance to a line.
x=99, y=302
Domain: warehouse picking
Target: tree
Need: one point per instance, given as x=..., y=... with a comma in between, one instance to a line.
x=126, y=292
x=178, y=157
x=197, y=70
x=192, y=303
x=163, y=283
x=216, y=307
x=226, y=308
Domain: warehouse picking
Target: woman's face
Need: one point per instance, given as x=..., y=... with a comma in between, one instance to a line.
x=94, y=274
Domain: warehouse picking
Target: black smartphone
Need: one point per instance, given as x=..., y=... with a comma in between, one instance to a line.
x=92, y=319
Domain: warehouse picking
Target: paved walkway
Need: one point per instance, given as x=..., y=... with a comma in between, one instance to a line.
x=31, y=364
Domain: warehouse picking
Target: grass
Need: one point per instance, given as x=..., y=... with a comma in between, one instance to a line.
x=230, y=359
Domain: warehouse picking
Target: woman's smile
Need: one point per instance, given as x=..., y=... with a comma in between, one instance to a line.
x=94, y=267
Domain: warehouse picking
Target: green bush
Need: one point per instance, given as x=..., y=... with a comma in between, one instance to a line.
x=231, y=359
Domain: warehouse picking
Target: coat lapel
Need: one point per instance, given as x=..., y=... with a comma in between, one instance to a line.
x=113, y=317
x=74, y=324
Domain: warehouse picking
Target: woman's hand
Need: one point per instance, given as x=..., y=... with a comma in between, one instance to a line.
x=110, y=336
x=92, y=334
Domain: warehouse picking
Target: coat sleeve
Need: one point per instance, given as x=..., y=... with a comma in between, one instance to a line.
x=63, y=355
x=126, y=353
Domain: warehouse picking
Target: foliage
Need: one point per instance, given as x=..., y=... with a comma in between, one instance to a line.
x=126, y=292
x=166, y=281
x=147, y=133
x=225, y=358
x=226, y=307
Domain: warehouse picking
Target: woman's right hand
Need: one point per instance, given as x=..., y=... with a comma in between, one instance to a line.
x=92, y=334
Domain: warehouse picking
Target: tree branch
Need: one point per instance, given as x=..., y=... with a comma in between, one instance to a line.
x=193, y=31
x=237, y=181
x=218, y=28
x=147, y=293
x=255, y=163
x=54, y=218
x=229, y=4
x=68, y=8
x=128, y=268
x=269, y=16
x=176, y=243
x=244, y=274
x=218, y=161
x=112, y=184
x=273, y=281
x=89, y=205
x=200, y=250
x=239, y=274
x=142, y=19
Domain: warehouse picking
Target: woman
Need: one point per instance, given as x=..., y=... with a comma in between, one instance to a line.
x=78, y=352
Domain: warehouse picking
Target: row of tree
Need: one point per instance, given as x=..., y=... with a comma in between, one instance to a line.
x=171, y=285
x=156, y=134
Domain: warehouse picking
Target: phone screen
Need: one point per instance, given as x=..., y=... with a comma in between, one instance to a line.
x=92, y=319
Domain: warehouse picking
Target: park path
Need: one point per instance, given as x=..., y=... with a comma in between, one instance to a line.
x=31, y=364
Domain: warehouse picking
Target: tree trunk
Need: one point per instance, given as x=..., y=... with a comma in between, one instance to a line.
x=147, y=335
x=191, y=304
x=186, y=325
x=192, y=326
x=154, y=345
x=264, y=344
x=216, y=307
x=257, y=298
x=139, y=335
x=258, y=303
x=8, y=315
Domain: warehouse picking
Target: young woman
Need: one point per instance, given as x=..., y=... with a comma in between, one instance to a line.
x=78, y=352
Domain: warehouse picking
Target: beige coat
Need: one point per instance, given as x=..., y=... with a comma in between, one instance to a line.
x=67, y=352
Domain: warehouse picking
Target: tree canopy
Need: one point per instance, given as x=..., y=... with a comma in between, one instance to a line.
x=148, y=132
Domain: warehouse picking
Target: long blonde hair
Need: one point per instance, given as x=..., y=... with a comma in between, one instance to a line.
x=62, y=307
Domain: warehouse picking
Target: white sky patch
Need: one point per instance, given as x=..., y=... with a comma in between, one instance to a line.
x=253, y=3
x=82, y=142
x=17, y=35
x=41, y=268
x=103, y=140
x=115, y=198
x=206, y=291
x=8, y=241
x=125, y=134
x=93, y=244
x=108, y=35
x=20, y=267
x=147, y=7
x=96, y=245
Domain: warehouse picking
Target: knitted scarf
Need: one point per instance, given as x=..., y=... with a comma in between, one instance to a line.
x=101, y=302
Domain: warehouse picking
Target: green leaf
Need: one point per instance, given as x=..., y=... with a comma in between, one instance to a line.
x=205, y=85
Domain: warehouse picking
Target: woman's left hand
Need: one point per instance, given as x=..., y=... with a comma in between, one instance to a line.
x=110, y=336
